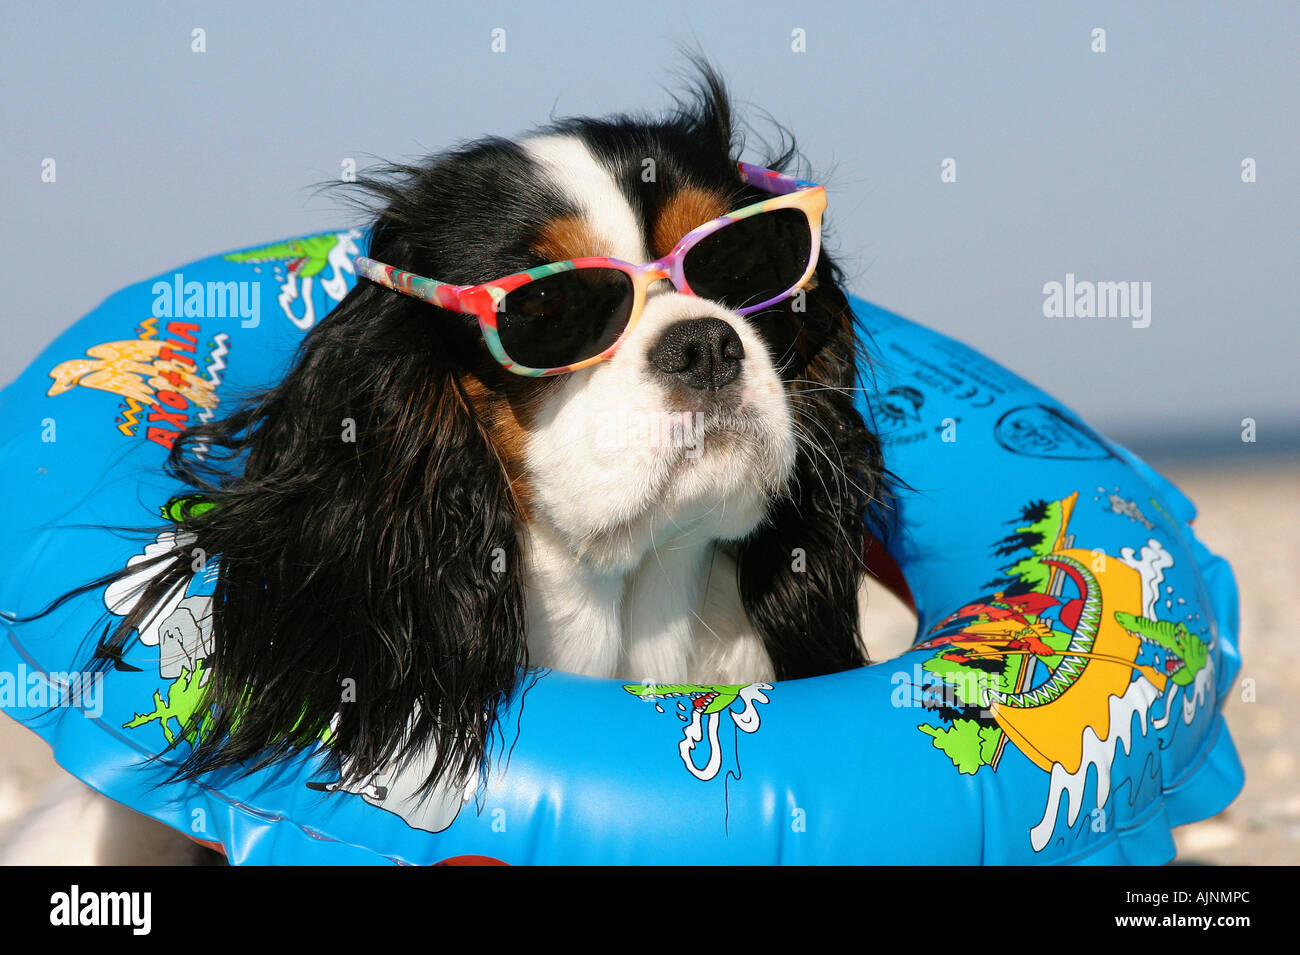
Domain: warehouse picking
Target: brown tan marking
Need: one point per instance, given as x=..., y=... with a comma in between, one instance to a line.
x=507, y=405
x=685, y=209
x=570, y=237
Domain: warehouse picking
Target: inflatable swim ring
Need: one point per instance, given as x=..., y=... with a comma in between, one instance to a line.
x=1061, y=702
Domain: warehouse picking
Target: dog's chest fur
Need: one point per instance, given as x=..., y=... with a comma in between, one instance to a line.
x=676, y=617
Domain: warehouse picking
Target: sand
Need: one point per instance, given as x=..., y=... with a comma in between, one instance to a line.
x=1251, y=517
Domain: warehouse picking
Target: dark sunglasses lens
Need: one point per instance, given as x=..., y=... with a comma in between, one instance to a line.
x=565, y=318
x=751, y=261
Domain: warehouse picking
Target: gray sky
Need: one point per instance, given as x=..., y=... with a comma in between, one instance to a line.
x=1117, y=166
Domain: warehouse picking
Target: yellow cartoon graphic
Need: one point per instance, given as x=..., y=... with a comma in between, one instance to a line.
x=161, y=376
x=136, y=370
x=1059, y=660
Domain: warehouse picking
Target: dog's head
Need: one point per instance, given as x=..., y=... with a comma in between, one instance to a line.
x=378, y=526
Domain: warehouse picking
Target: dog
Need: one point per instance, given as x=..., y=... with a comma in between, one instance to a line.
x=589, y=407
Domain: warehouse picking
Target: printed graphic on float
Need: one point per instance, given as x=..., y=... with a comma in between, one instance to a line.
x=1056, y=660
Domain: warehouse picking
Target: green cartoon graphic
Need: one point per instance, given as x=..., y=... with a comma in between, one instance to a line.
x=304, y=262
x=701, y=708
x=307, y=256
x=184, y=700
x=1185, y=653
x=186, y=505
x=707, y=699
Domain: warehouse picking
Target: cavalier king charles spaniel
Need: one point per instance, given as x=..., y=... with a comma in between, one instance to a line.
x=589, y=407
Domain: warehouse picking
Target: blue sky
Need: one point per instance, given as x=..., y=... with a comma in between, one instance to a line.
x=1115, y=166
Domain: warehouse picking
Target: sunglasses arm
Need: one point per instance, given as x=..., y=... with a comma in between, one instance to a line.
x=442, y=294
x=769, y=180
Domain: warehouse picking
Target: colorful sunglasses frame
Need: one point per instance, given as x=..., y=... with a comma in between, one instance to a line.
x=482, y=300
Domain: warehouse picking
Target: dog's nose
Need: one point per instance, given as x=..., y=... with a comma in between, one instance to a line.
x=703, y=353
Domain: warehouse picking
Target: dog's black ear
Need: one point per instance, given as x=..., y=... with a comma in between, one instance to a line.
x=370, y=587
x=800, y=571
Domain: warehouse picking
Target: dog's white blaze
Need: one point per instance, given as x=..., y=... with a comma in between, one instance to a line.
x=624, y=573
x=571, y=167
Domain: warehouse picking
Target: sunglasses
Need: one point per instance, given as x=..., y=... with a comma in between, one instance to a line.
x=564, y=316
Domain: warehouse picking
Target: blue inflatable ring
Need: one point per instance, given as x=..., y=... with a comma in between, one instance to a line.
x=1061, y=703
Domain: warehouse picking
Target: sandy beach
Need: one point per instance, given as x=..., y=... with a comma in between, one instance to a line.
x=1251, y=516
